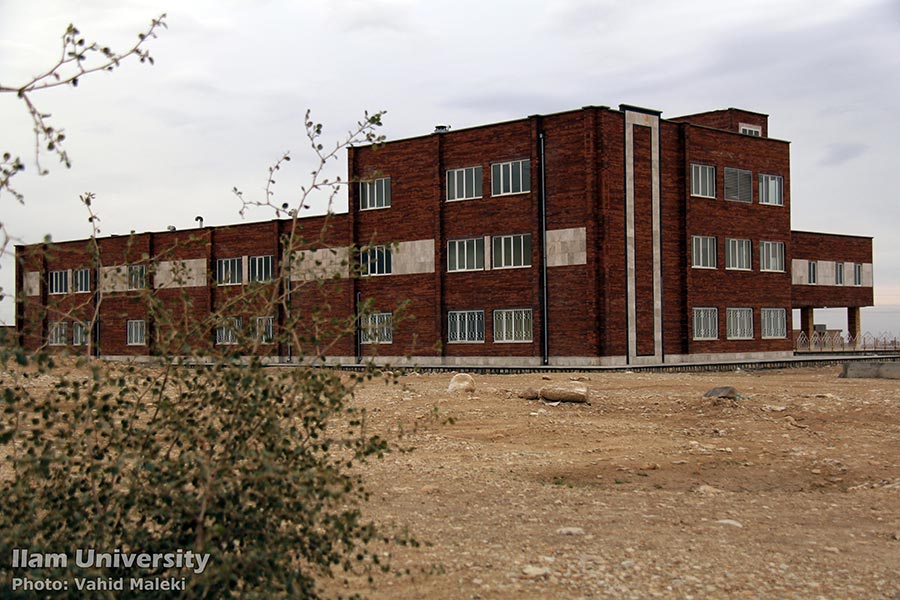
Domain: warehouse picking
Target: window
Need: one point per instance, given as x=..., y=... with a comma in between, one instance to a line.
x=774, y=322
x=511, y=177
x=57, y=332
x=260, y=268
x=512, y=325
x=464, y=184
x=754, y=130
x=738, y=254
x=376, y=260
x=512, y=251
x=229, y=271
x=465, y=326
x=703, y=252
x=81, y=280
x=265, y=329
x=706, y=323
x=465, y=255
x=857, y=274
x=79, y=333
x=58, y=282
x=740, y=323
x=771, y=190
x=375, y=193
x=813, y=272
x=703, y=181
x=839, y=273
x=377, y=328
x=771, y=256
x=228, y=332
x=136, y=333
x=738, y=185
x=137, y=277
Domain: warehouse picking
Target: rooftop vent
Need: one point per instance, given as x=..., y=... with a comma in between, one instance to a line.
x=441, y=128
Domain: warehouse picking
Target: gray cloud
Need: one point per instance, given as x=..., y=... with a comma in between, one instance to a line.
x=838, y=154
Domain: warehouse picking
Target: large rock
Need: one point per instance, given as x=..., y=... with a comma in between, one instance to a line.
x=530, y=394
x=722, y=391
x=871, y=370
x=462, y=382
x=570, y=392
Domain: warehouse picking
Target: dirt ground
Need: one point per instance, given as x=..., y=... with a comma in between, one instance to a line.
x=790, y=491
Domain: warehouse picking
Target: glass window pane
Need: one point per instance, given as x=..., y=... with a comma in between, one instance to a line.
x=479, y=253
x=495, y=180
x=506, y=178
x=516, y=176
x=478, y=193
x=451, y=186
x=526, y=175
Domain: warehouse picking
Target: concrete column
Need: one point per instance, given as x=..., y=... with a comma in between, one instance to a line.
x=853, y=325
x=806, y=323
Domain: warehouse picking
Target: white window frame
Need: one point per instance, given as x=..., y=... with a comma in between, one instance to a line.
x=771, y=256
x=771, y=190
x=507, y=323
x=465, y=252
x=857, y=274
x=57, y=333
x=265, y=330
x=812, y=272
x=465, y=326
x=57, y=282
x=838, y=273
x=703, y=181
x=137, y=277
x=511, y=177
x=377, y=328
x=79, y=333
x=465, y=183
x=702, y=248
x=375, y=194
x=738, y=254
x=706, y=323
x=261, y=268
x=738, y=185
x=375, y=261
x=81, y=281
x=135, y=332
x=230, y=271
x=228, y=331
x=511, y=251
x=739, y=323
x=773, y=322
x=751, y=130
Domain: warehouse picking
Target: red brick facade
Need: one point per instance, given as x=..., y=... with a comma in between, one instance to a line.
x=610, y=204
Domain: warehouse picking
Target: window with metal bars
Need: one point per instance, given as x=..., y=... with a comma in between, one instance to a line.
x=465, y=326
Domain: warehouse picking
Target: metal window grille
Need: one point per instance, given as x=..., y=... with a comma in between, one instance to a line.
x=773, y=322
x=265, y=329
x=57, y=333
x=79, y=334
x=465, y=326
x=228, y=332
x=513, y=325
x=706, y=323
x=740, y=323
x=136, y=332
x=377, y=328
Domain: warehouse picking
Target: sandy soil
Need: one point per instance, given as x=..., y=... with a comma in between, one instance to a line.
x=790, y=491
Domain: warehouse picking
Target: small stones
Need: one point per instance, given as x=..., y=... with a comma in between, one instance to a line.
x=570, y=531
x=529, y=393
x=708, y=490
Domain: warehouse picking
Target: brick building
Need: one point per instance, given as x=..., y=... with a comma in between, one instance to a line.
x=590, y=237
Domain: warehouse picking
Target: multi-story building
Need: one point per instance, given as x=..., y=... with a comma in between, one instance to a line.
x=590, y=237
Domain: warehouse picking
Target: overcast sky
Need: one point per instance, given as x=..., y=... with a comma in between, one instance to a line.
x=233, y=78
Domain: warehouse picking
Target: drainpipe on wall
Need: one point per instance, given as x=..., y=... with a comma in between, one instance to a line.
x=545, y=328
x=358, y=332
